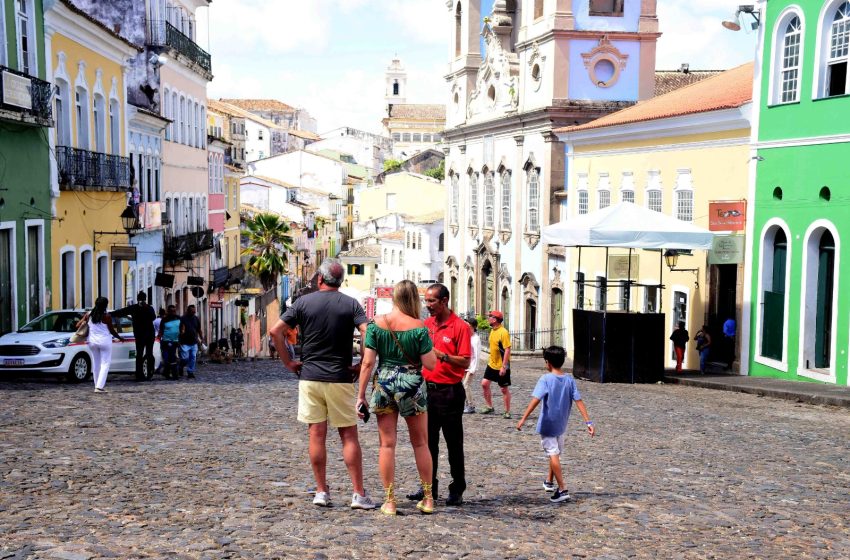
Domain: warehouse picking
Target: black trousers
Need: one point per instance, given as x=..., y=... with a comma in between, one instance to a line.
x=445, y=412
x=144, y=353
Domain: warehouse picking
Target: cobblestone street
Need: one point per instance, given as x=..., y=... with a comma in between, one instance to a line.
x=216, y=467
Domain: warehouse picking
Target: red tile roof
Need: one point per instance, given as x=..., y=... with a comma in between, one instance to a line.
x=671, y=80
x=728, y=90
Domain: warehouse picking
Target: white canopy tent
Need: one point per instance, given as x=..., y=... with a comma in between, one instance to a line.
x=627, y=225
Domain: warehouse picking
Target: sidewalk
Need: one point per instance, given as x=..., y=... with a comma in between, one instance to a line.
x=800, y=391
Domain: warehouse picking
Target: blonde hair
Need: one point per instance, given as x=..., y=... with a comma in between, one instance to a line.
x=406, y=298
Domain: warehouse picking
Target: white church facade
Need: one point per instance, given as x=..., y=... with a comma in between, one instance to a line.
x=518, y=70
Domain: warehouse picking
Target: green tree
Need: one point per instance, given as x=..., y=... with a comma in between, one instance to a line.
x=269, y=245
x=391, y=165
x=438, y=172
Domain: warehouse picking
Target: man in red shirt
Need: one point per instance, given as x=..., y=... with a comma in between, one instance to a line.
x=446, y=397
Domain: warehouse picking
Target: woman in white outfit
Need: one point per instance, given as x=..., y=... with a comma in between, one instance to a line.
x=475, y=342
x=101, y=333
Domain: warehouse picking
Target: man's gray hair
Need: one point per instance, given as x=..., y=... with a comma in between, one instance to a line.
x=332, y=272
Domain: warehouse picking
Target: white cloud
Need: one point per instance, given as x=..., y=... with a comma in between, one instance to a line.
x=422, y=21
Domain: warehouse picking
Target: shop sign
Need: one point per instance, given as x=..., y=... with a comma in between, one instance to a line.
x=123, y=253
x=16, y=90
x=618, y=267
x=727, y=249
x=727, y=215
x=215, y=305
x=384, y=292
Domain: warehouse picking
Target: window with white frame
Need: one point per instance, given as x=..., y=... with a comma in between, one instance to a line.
x=684, y=196
x=103, y=277
x=3, y=37
x=203, y=119
x=583, y=202
x=182, y=137
x=86, y=285
x=839, y=46
x=627, y=187
x=198, y=125
x=167, y=112
x=654, y=199
x=506, y=199
x=62, y=115
x=473, y=198
x=489, y=200
x=81, y=106
x=99, y=114
x=454, y=217
x=533, y=199
x=66, y=280
x=790, y=77
x=117, y=284
x=115, y=126
x=24, y=26
x=603, y=191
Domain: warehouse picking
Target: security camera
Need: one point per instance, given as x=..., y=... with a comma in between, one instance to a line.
x=157, y=60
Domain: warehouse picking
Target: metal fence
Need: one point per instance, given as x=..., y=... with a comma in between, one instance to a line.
x=529, y=341
x=84, y=168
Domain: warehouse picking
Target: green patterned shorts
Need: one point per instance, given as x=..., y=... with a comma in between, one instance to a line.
x=400, y=388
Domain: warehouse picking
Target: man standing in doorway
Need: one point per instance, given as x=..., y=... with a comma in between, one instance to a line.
x=327, y=319
x=143, y=317
x=446, y=396
x=190, y=336
x=729, y=341
x=498, y=367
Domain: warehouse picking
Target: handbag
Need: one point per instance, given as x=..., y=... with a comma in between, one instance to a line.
x=82, y=332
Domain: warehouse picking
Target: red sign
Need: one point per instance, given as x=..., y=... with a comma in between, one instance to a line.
x=727, y=215
x=384, y=292
x=370, y=307
x=215, y=305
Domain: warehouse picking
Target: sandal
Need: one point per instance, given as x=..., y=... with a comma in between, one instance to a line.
x=426, y=504
x=389, y=507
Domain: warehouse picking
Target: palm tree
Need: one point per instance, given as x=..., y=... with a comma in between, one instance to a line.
x=269, y=244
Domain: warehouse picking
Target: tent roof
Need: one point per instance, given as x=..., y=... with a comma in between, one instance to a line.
x=627, y=225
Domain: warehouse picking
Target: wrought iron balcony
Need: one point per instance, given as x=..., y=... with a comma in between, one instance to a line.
x=225, y=277
x=26, y=97
x=93, y=170
x=185, y=247
x=163, y=34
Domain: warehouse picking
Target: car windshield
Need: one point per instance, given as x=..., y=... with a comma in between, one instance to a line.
x=61, y=321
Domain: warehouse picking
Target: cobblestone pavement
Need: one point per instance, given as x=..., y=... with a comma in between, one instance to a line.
x=217, y=467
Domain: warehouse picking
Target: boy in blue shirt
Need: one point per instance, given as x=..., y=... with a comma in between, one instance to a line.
x=557, y=391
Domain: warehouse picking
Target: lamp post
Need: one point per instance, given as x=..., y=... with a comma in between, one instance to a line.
x=671, y=257
x=129, y=221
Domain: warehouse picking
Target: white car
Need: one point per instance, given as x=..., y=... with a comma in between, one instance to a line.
x=44, y=346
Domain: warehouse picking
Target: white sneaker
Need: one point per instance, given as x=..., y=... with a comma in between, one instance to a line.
x=362, y=502
x=322, y=499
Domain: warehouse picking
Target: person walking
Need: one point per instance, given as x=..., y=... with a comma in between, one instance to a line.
x=446, y=397
x=475, y=346
x=326, y=320
x=169, y=342
x=703, y=340
x=143, y=316
x=557, y=391
x=240, y=340
x=498, y=368
x=680, y=340
x=729, y=327
x=233, y=342
x=401, y=344
x=101, y=335
x=190, y=337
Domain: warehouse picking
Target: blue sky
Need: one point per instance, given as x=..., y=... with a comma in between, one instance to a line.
x=330, y=56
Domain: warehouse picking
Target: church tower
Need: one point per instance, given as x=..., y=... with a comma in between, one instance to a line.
x=396, y=87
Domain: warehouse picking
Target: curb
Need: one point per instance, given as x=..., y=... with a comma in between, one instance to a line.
x=785, y=394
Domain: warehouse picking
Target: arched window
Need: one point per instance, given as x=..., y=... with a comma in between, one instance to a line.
x=25, y=27
x=81, y=111
x=653, y=191
x=533, y=200
x=819, y=277
x=455, y=198
x=603, y=191
x=790, y=72
x=473, y=199
x=627, y=187
x=441, y=242
x=838, y=50
x=167, y=112
x=458, y=29
x=684, y=196
x=99, y=114
x=489, y=200
x=63, y=113
x=86, y=286
x=505, y=181
x=115, y=126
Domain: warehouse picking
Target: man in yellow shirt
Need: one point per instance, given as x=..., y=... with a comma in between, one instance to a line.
x=498, y=367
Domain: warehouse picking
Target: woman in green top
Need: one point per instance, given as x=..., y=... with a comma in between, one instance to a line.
x=402, y=345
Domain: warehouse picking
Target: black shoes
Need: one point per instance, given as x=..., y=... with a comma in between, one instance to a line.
x=454, y=500
x=420, y=494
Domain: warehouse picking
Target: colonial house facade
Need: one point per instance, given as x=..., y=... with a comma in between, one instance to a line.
x=534, y=67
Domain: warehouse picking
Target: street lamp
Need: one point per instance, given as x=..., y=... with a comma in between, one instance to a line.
x=129, y=221
x=671, y=257
x=735, y=25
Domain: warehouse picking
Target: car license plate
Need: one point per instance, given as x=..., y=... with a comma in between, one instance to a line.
x=8, y=362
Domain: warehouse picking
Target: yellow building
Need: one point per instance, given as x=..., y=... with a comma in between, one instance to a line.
x=92, y=176
x=403, y=193
x=677, y=154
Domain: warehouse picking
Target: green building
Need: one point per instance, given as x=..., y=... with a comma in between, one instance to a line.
x=800, y=206
x=25, y=198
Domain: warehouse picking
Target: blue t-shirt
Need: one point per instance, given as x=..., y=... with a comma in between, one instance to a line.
x=556, y=393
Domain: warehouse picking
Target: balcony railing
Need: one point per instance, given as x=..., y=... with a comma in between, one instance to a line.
x=163, y=34
x=225, y=277
x=25, y=95
x=185, y=247
x=82, y=168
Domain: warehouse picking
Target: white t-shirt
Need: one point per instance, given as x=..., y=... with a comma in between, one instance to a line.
x=475, y=343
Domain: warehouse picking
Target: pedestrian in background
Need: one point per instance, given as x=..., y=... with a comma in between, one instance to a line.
x=400, y=343
x=143, y=317
x=703, y=340
x=240, y=340
x=680, y=340
x=190, y=337
x=729, y=327
x=327, y=320
x=498, y=368
x=557, y=391
x=446, y=397
x=475, y=347
x=169, y=342
x=101, y=335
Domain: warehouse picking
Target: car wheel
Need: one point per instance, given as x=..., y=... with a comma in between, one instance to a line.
x=147, y=372
x=80, y=369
